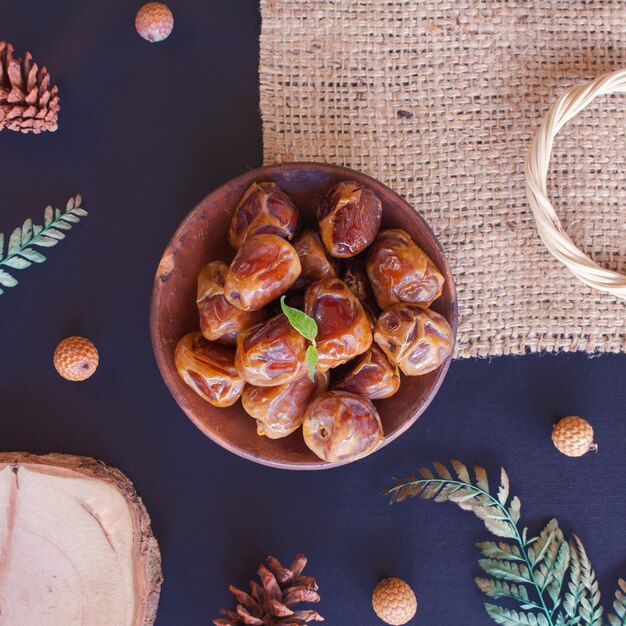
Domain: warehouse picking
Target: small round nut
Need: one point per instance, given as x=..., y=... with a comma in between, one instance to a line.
x=573, y=436
x=394, y=601
x=154, y=21
x=76, y=358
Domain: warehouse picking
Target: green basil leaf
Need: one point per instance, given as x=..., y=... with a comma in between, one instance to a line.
x=303, y=323
x=311, y=361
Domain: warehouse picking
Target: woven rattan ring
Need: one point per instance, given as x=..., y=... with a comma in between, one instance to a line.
x=550, y=228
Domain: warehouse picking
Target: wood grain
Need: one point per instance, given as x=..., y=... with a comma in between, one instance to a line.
x=76, y=544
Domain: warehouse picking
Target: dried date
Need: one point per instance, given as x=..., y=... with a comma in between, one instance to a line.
x=400, y=271
x=219, y=320
x=372, y=376
x=264, y=268
x=343, y=327
x=418, y=340
x=313, y=259
x=271, y=353
x=209, y=369
x=349, y=218
x=279, y=411
x=342, y=426
x=264, y=208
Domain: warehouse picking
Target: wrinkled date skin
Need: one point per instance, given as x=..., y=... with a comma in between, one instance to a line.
x=209, y=369
x=342, y=426
x=343, y=329
x=264, y=268
x=372, y=376
x=271, y=353
x=400, y=271
x=349, y=218
x=313, y=259
x=219, y=320
x=264, y=208
x=279, y=411
x=355, y=276
x=416, y=339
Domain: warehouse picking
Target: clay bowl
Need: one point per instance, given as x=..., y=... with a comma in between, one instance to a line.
x=202, y=237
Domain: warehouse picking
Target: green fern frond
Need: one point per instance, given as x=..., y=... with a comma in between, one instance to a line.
x=550, y=578
x=619, y=606
x=20, y=252
x=441, y=486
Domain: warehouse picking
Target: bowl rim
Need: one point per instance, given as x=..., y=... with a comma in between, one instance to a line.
x=164, y=268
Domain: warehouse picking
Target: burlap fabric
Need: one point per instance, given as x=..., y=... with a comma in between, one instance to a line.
x=439, y=99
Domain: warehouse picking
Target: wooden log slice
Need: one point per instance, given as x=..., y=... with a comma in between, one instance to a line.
x=76, y=546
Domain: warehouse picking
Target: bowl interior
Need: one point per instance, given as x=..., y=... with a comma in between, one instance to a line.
x=202, y=237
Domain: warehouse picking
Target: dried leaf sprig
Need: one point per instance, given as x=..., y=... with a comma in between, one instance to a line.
x=550, y=577
x=21, y=252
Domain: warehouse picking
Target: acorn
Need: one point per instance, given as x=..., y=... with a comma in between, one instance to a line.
x=573, y=436
x=154, y=21
x=394, y=601
x=76, y=358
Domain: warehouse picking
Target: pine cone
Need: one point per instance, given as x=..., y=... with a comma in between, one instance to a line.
x=27, y=101
x=270, y=604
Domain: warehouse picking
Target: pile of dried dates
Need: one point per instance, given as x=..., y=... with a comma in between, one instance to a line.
x=368, y=292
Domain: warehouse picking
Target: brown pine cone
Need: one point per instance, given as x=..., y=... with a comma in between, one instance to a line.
x=270, y=604
x=394, y=601
x=573, y=436
x=76, y=358
x=27, y=101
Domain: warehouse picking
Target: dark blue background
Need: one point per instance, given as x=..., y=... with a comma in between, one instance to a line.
x=145, y=132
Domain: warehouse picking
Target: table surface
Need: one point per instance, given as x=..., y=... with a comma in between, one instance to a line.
x=145, y=132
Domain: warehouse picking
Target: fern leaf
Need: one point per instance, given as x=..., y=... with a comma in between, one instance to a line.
x=504, y=551
x=573, y=596
x=500, y=589
x=33, y=255
x=515, y=509
x=446, y=492
x=500, y=528
x=6, y=280
x=461, y=471
x=590, y=609
x=506, y=570
x=442, y=470
x=45, y=242
x=538, y=550
x=481, y=478
x=17, y=263
x=559, y=571
x=62, y=224
x=619, y=606
x=27, y=231
x=507, y=617
x=15, y=241
x=54, y=233
x=20, y=252
x=69, y=217
x=503, y=490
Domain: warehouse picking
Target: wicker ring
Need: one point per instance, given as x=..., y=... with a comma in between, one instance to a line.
x=536, y=166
